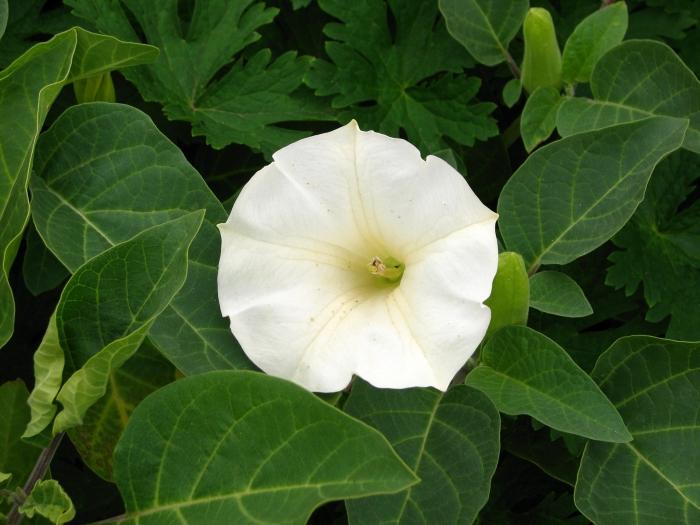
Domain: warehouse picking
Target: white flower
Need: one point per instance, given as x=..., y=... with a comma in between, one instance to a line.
x=350, y=254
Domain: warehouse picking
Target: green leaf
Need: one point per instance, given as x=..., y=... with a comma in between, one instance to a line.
x=48, y=499
x=525, y=372
x=659, y=248
x=268, y=452
x=511, y=92
x=3, y=16
x=110, y=304
x=407, y=75
x=484, y=27
x=249, y=104
x=27, y=89
x=450, y=440
x=654, y=480
x=591, y=39
x=558, y=294
x=635, y=80
x=510, y=293
x=104, y=173
x=40, y=268
x=48, y=374
x=571, y=196
x=104, y=422
x=16, y=457
x=539, y=116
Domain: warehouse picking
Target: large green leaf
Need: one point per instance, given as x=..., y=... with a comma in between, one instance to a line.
x=571, y=196
x=405, y=75
x=592, y=37
x=655, y=479
x=104, y=174
x=27, y=89
x=249, y=104
x=450, y=440
x=525, y=372
x=558, y=294
x=510, y=293
x=110, y=303
x=48, y=499
x=16, y=456
x=267, y=452
x=635, y=80
x=484, y=27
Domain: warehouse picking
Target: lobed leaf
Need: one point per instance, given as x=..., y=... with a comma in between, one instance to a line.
x=48, y=499
x=269, y=452
x=450, y=440
x=525, y=372
x=653, y=480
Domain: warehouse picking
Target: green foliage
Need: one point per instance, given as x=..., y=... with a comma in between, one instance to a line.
x=525, y=372
x=48, y=499
x=659, y=248
x=633, y=81
x=510, y=295
x=484, y=27
x=596, y=34
x=411, y=80
x=245, y=427
x=655, y=385
x=603, y=176
x=40, y=268
x=248, y=103
x=511, y=92
x=558, y=294
x=539, y=116
x=450, y=440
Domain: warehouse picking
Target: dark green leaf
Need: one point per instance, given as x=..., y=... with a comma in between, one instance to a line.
x=539, y=116
x=558, y=294
x=654, y=480
x=249, y=104
x=484, y=27
x=635, y=80
x=40, y=268
x=511, y=92
x=3, y=17
x=48, y=499
x=268, y=452
x=104, y=174
x=592, y=37
x=510, y=294
x=525, y=372
x=410, y=78
x=111, y=302
x=571, y=196
x=450, y=440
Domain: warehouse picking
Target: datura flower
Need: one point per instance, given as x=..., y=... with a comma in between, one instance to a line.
x=350, y=254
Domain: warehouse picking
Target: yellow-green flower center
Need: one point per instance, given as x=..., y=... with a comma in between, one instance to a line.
x=387, y=268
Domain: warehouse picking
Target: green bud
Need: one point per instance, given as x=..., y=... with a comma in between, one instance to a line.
x=542, y=62
x=98, y=88
x=510, y=293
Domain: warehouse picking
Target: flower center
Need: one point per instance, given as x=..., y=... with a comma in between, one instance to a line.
x=387, y=268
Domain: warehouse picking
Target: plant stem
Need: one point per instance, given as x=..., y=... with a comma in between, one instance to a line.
x=38, y=472
x=512, y=133
x=511, y=64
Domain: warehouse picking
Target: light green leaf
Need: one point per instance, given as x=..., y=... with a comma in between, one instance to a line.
x=484, y=27
x=28, y=87
x=558, y=294
x=571, y=196
x=511, y=92
x=450, y=440
x=40, y=268
x=5, y=476
x=268, y=452
x=104, y=173
x=539, y=116
x=635, y=80
x=48, y=499
x=249, y=104
x=510, y=293
x=654, y=480
x=592, y=37
x=16, y=457
x=48, y=374
x=104, y=422
x=110, y=304
x=525, y=372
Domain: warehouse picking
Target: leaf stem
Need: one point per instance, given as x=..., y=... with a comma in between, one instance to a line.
x=511, y=64
x=38, y=472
